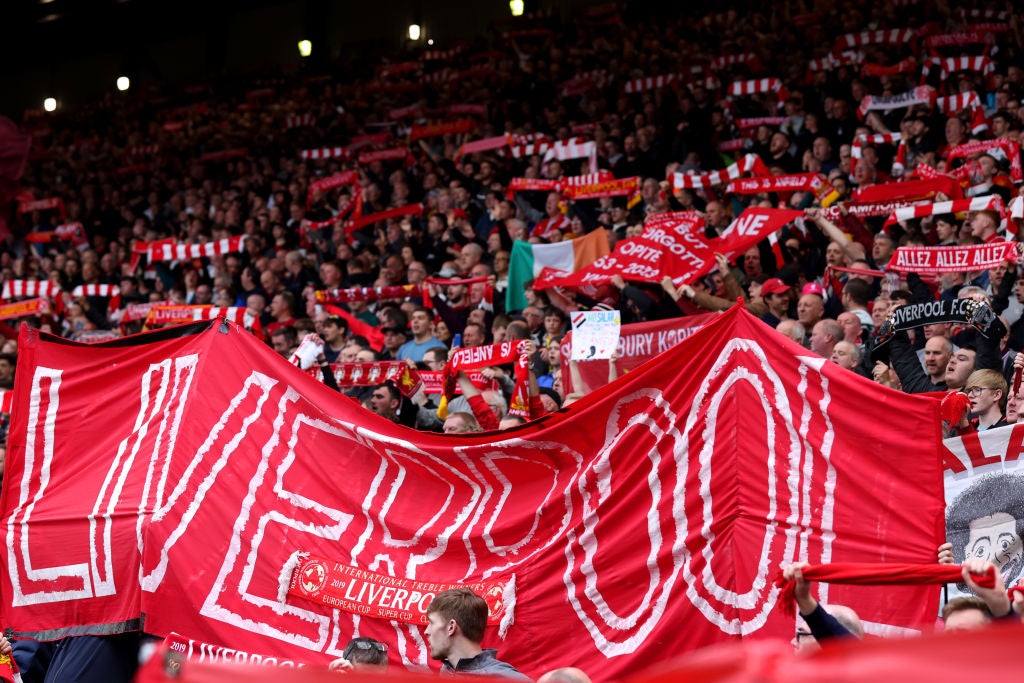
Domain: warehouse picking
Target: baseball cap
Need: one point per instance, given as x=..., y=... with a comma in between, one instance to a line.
x=811, y=288
x=774, y=285
x=393, y=328
x=460, y=214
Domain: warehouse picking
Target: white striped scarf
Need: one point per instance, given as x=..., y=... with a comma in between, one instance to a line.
x=573, y=148
x=906, y=213
x=34, y=288
x=750, y=163
x=976, y=63
x=729, y=60
x=180, y=252
x=299, y=120
x=648, y=83
x=893, y=36
x=759, y=85
x=324, y=153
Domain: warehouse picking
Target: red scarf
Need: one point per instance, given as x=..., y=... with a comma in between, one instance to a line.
x=476, y=357
x=958, y=259
x=877, y=574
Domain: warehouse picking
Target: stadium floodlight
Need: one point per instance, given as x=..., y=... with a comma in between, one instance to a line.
x=415, y=31
x=305, y=48
x=50, y=104
x=517, y=7
x=123, y=83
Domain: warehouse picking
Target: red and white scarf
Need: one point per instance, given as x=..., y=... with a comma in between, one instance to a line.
x=1010, y=148
x=406, y=379
x=648, y=83
x=724, y=61
x=299, y=121
x=528, y=145
x=477, y=357
x=324, y=153
x=224, y=155
x=833, y=61
x=856, y=149
x=958, y=259
x=111, y=291
x=344, y=296
x=750, y=163
x=895, y=36
x=485, y=145
x=37, y=288
x=143, y=150
x=989, y=203
x=573, y=148
x=48, y=204
x=164, y=251
x=800, y=182
x=759, y=85
x=923, y=94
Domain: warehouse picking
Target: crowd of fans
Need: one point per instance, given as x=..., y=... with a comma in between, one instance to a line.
x=242, y=156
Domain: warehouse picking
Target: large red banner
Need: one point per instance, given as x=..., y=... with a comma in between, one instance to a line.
x=646, y=520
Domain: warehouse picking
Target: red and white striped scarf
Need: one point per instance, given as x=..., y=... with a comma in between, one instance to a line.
x=527, y=145
x=923, y=94
x=975, y=63
x=166, y=250
x=856, y=149
x=37, y=288
x=466, y=109
x=750, y=163
x=986, y=14
x=723, y=61
x=143, y=150
x=442, y=55
x=989, y=203
x=299, y=121
x=387, y=70
x=759, y=85
x=648, y=83
x=111, y=291
x=895, y=36
x=324, y=153
x=344, y=296
x=581, y=83
x=833, y=61
x=442, y=76
x=953, y=104
x=573, y=148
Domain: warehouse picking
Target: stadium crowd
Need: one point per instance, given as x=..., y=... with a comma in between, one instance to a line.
x=381, y=203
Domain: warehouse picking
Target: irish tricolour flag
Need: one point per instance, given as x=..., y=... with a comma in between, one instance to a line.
x=528, y=260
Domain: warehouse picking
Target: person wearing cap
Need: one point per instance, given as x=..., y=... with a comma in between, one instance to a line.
x=394, y=337
x=775, y=294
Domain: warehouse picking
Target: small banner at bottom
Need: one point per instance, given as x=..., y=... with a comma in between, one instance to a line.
x=370, y=594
